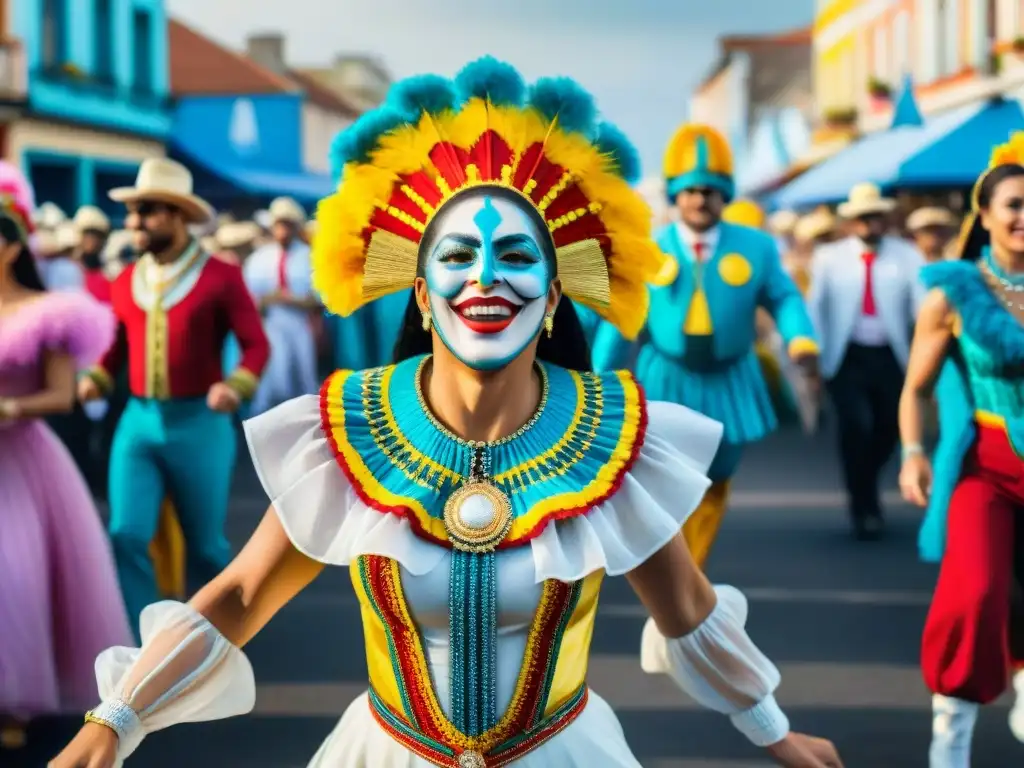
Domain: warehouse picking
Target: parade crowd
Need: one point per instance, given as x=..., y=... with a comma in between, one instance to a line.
x=139, y=348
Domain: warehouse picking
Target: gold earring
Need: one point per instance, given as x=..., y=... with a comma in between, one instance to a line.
x=549, y=324
x=426, y=321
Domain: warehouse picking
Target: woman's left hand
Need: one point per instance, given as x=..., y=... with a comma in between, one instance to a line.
x=799, y=750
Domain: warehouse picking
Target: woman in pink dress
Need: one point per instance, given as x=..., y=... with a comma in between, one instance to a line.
x=59, y=601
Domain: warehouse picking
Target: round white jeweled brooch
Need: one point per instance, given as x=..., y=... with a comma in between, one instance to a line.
x=472, y=759
x=477, y=517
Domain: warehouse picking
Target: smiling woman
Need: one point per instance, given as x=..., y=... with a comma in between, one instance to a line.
x=478, y=494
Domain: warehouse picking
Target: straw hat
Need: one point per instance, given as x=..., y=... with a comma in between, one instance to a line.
x=66, y=237
x=783, y=222
x=165, y=181
x=930, y=216
x=48, y=216
x=262, y=219
x=865, y=200
x=814, y=225
x=235, y=234
x=287, y=210
x=90, y=217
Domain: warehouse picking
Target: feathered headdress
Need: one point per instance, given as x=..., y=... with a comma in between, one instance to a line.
x=16, y=198
x=1010, y=153
x=432, y=138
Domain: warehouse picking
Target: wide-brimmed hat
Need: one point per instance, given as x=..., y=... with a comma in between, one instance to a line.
x=165, y=181
x=865, y=200
x=814, y=225
x=48, y=216
x=67, y=236
x=287, y=210
x=783, y=222
x=89, y=217
x=930, y=216
x=235, y=234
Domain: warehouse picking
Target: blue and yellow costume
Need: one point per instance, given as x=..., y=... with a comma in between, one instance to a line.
x=698, y=347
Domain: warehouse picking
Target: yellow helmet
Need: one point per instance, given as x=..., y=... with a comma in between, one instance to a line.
x=745, y=212
x=698, y=156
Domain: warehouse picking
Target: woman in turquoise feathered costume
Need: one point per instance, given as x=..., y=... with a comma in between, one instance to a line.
x=970, y=330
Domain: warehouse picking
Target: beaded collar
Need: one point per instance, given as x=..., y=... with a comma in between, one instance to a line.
x=569, y=457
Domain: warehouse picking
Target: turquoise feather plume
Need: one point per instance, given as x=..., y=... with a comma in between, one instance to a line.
x=613, y=142
x=487, y=78
x=564, y=100
x=423, y=93
x=360, y=139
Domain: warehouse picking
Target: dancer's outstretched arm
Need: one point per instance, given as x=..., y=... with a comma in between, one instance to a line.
x=696, y=635
x=190, y=667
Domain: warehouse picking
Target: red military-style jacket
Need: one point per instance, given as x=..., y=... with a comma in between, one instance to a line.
x=174, y=347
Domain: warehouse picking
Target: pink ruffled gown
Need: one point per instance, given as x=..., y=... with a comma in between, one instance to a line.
x=60, y=604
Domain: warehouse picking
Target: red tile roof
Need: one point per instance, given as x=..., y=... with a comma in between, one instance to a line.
x=200, y=66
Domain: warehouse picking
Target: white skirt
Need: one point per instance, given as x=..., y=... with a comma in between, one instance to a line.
x=594, y=738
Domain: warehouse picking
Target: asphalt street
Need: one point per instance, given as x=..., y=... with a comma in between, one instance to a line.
x=841, y=619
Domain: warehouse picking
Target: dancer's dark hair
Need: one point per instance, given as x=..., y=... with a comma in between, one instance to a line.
x=24, y=270
x=977, y=237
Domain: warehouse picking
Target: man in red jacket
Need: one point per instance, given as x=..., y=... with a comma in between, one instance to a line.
x=175, y=306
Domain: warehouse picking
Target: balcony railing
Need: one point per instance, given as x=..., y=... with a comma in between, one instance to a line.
x=13, y=73
x=139, y=95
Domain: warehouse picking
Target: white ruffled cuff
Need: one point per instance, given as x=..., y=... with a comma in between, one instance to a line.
x=721, y=668
x=185, y=672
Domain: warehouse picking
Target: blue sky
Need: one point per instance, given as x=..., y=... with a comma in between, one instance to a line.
x=640, y=58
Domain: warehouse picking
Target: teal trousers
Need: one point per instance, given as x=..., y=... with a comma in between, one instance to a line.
x=176, y=449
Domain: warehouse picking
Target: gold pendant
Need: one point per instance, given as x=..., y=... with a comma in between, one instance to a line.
x=472, y=759
x=477, y=517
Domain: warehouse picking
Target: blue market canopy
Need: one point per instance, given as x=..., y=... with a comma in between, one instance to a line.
x=218, y=180
x=949, y=150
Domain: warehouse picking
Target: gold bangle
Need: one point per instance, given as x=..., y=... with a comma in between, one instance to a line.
x=91, y=718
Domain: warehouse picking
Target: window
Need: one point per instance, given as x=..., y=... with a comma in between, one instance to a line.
x=54, y=33
x=142, y=51
x=103, y=38
x=901, y=45
x=881, y=51
x=949, y=37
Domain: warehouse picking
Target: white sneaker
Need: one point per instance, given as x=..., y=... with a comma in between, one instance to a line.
x=952, y=728
x=1017, y=713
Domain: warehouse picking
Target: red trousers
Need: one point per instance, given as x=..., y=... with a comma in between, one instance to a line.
x=969, y=647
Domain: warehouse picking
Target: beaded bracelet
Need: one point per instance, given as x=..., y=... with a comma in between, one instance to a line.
x=119, y=717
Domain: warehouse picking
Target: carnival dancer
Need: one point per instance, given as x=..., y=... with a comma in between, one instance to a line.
x=175, y=307
x=863, y=299
x=277, y=275
x=974, y=316
x=486, y=482
x=698, y=346
x=59, y=599
x=93, y=230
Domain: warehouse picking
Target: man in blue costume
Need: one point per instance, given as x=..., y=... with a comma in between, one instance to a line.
x=698, y=346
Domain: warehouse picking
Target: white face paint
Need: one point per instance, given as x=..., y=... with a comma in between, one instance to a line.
x=487, y=280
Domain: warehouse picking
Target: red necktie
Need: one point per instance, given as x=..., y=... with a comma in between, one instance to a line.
x=282, y=271
x=698, y=250
x=869, y=290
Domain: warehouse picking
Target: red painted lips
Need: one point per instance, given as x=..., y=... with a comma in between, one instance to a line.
x=487, y=314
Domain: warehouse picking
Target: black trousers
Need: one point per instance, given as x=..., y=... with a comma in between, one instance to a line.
x=866, y=394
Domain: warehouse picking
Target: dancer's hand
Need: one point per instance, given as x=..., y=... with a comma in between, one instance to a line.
x=9, y=410
x=88, y=390
x=222, y=398
x=95, y=746
x=916, y=479
x=798, y=750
